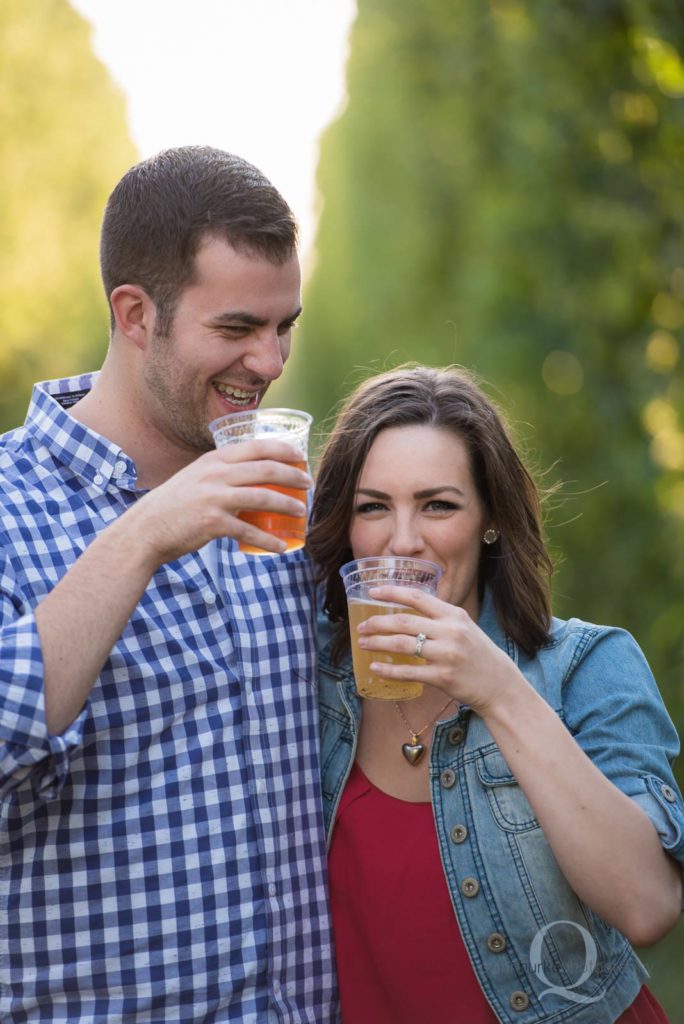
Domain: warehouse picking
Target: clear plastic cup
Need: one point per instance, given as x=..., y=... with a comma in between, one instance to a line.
x=289, y=425
x=359, y=577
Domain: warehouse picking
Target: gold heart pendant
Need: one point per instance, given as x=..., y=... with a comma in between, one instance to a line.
x=413, y=752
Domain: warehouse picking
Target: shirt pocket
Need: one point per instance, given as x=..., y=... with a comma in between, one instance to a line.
x=507, y=802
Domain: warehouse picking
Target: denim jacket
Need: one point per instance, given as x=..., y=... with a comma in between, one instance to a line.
x=538, y=952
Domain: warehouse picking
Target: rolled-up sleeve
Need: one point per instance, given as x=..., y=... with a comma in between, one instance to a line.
x=26, y=747
x=662, y=802
x=615, y=711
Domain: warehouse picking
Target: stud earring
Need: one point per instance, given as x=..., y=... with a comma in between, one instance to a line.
x=491, y=536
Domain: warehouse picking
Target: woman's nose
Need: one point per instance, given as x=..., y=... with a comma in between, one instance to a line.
x=406, y=538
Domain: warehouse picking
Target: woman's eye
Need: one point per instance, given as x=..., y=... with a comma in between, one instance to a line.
x=440, y=506
x=369, y=506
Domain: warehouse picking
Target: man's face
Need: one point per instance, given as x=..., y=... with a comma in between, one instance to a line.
x=229, y=339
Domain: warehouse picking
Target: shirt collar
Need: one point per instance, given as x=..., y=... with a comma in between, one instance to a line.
x=87, y=454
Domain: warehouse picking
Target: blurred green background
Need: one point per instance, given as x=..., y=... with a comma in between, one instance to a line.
x=504, y=190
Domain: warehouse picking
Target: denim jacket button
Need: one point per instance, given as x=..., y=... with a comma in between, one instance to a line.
x=456, y=735
x=519, y=1000
x=447, y=778
x=459, y=834
x=669, y=794
x=470, y=887
x=496, y=943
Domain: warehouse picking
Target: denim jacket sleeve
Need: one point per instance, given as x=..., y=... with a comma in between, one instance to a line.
x=613, y=707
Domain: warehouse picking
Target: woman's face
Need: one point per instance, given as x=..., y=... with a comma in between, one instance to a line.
x=416, y=496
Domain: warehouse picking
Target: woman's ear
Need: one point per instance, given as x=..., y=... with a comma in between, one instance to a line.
x=134, y=314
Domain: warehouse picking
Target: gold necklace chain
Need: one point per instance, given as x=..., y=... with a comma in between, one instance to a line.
x=414, y=734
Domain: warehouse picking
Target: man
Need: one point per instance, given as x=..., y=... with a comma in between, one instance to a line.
x=161, y=836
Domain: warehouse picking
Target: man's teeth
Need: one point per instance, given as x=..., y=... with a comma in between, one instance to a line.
x=235, y=395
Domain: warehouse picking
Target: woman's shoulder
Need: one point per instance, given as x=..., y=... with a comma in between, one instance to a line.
x=584, y=634
x=593, y=652
x=592, y=661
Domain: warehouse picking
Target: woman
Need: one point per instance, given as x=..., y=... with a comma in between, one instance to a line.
x=498, y=842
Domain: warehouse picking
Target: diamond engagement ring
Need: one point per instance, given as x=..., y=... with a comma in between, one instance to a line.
x=420, y=643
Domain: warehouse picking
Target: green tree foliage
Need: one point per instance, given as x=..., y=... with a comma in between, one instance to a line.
x=63, y=143
x=504, y=190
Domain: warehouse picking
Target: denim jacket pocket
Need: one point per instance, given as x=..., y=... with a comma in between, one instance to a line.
x=508, y=803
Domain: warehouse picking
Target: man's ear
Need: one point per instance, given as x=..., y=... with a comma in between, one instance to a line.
x=134, y=314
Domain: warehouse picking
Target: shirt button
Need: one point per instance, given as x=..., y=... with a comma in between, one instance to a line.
x=210, y=597
x=669, y=794
x=276, y=987
x=119, y=468
x=456, y=735
x=519, y=1000
x=470, y=887
x=98, y=478
x=271, y=892
x=447, y=778
x=459, y=834
x=496, y=943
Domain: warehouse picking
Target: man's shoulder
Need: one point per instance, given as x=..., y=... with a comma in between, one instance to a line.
x=21, y=496
x=27, y=451
x=27, y=472
x=16, y=455
x=11, y=440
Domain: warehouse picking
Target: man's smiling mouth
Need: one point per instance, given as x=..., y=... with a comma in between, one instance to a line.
x=236, y=396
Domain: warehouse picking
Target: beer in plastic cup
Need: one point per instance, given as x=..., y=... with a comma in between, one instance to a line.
x=359, y=577
x=289, y=425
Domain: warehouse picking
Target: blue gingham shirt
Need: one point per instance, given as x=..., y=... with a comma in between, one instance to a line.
x=164, y=858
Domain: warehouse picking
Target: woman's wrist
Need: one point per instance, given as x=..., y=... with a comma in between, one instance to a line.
x=512, y=699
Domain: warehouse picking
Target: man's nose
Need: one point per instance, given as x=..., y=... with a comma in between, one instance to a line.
x=266, y=357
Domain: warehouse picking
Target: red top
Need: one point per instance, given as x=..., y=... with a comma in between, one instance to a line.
x=400, y=955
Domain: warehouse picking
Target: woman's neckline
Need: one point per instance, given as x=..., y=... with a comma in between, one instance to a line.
x=385, y=794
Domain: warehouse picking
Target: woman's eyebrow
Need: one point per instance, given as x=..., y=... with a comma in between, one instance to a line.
x=371, y=493
x=428, y=493
x=431, y=491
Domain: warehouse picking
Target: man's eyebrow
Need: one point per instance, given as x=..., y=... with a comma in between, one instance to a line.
x=293, y=316
x=241, y=316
